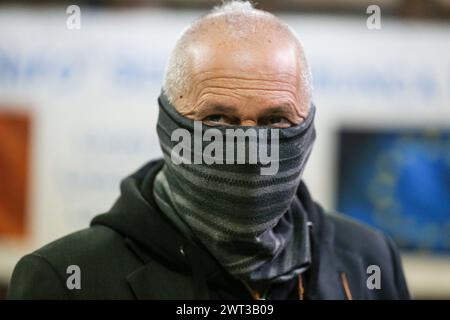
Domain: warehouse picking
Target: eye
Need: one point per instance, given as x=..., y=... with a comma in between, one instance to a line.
x=277, y=122
x=217, y=120
x=213, y=118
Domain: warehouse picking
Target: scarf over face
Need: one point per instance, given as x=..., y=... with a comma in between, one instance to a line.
x=246, y=214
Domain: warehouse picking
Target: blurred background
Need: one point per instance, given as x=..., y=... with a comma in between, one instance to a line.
x=78, y=112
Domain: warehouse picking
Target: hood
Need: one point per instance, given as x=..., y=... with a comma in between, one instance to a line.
x=136, y=216
x=152, y=236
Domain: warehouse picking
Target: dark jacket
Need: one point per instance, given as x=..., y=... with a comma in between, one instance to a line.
x=134, y=251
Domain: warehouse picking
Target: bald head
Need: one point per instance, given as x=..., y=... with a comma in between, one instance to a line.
x=239, y=66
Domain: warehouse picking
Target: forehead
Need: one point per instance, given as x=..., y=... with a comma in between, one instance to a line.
x=266, y=54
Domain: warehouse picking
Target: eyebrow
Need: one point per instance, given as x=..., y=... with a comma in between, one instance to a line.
x=281, y=109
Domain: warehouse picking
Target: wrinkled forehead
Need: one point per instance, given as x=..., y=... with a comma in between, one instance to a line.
x=266, y=57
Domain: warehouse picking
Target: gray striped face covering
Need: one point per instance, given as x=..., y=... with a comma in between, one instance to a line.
x=252, y=223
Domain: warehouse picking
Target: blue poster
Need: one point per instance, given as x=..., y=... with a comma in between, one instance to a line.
x=398, y=181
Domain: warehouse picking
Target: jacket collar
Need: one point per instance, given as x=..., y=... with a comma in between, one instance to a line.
x=151, y=280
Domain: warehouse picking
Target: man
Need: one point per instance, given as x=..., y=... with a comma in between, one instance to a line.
x=201, y=224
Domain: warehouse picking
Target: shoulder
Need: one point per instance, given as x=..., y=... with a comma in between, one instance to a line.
x=100, y=255
x=348, y=234
x=359, y=248
x=90, y=244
